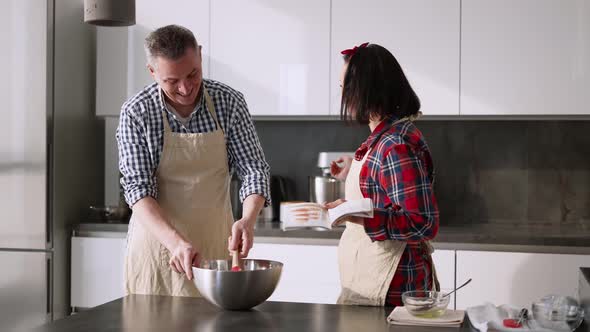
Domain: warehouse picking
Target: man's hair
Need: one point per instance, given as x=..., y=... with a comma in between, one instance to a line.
x=170, y=41
x=375, y=85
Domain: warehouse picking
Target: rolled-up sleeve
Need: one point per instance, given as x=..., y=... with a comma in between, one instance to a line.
x=413, y=213
x=135, y=164
x=245, y=153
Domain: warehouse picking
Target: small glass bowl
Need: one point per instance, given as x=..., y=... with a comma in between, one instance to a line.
x=558, y=313
x=425, y=304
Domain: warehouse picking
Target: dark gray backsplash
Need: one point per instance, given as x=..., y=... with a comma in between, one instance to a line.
x=487, y=171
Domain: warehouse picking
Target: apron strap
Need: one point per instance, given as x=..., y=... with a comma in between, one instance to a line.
x=211, y=107
x=428, y=250
x=166, y=123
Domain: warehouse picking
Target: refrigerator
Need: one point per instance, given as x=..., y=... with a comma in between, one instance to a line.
x=50, y=153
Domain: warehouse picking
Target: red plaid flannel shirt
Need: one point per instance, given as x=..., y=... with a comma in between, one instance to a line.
x=398, y=176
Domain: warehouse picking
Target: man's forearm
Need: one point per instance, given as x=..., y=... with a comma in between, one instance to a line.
x=147, y=211
x=252, y=206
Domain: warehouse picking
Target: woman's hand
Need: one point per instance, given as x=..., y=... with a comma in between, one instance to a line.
x=341, y=172
x=182, y=259
x=352, y=219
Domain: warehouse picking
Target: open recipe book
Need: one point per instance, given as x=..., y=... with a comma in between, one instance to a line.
x=301, y=215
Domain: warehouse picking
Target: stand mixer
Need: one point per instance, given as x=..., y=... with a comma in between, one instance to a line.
x=325, y=188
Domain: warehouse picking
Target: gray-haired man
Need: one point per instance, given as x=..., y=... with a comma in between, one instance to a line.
x=178, y=140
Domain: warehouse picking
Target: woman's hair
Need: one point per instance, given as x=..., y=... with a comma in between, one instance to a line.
x=375, y=86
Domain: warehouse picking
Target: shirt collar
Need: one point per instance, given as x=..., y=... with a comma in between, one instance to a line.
x=198, y=106
x=381, y=128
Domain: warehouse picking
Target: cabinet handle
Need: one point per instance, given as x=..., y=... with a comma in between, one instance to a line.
x=49, y=200
x=48, y=288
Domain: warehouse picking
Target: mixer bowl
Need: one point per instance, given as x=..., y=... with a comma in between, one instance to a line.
x=237, y=290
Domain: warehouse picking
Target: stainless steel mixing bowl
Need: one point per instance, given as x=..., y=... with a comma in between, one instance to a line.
x=237, y=290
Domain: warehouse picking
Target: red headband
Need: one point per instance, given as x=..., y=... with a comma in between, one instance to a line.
x=352, y=51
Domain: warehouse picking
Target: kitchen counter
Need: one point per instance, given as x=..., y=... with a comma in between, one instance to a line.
x=511, y=237
x=167, y=313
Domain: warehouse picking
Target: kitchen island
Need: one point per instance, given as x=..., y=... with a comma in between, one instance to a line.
x=167, y=313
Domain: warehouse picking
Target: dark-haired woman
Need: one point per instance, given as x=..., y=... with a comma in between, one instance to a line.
x=383, y=256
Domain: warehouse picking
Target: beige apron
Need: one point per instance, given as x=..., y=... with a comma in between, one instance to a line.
x=366, y=268
x=193, y=192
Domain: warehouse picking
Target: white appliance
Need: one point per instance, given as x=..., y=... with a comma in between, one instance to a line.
x=50, y=153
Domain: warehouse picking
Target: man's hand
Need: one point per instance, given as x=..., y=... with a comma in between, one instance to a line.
x=182, y=259
x=242, y=231
x=242, y=236
x=183, y=256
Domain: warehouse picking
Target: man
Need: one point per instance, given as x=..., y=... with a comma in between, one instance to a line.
x=178, y=140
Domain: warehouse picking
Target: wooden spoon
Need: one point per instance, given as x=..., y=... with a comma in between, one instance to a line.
x=235, y=261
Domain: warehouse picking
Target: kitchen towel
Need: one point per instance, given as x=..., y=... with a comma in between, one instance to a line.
x=489, y=317
x=401, y=316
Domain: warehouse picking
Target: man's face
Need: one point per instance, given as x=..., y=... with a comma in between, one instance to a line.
x=180, y=79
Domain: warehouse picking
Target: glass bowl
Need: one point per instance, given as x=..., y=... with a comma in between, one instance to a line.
x=425, y=304
x=558, y=313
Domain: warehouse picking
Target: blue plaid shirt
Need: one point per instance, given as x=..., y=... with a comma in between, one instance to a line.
x=140, y=137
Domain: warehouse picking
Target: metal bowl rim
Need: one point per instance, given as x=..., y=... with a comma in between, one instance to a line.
x=276, y=266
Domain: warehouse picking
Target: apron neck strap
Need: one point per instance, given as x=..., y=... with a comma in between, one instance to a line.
x=211, y=107
x=166, y=123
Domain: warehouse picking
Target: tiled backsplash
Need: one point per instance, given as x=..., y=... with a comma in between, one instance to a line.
x=487, y=171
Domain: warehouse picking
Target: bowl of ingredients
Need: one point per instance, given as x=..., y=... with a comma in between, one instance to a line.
x=558, y=313
x=249, y=286
x=426, y=304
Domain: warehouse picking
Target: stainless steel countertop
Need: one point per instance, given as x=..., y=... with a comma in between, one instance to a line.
x=511, y=237
x=177, y=313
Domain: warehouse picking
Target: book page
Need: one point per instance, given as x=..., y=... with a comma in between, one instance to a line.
x=357, y=207
x=300, y=215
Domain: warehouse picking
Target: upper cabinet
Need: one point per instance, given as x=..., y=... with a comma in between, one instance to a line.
x=275, y=52
x=120, y=57
x=528, y=57
x=462, y=57
x=422, y=34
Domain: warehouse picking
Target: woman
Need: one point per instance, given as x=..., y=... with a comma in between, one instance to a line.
x=384, y=256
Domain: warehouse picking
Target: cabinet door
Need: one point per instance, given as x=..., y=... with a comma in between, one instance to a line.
x=24, y=290
x=516, y=278
x=97, y=270
x=423, y=35
x=275, y=52
x=525, y=57
x=444, y=261
x=23, y=129
x=310, y=273
x=120, y=57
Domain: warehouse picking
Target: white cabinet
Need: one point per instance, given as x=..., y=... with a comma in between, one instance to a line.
x=97, y=270
x=120, y=57
x=422, y=34
x=444, y=262
x=525, y=57
x=515, y=278
x=310, y=273
x=275, y=52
